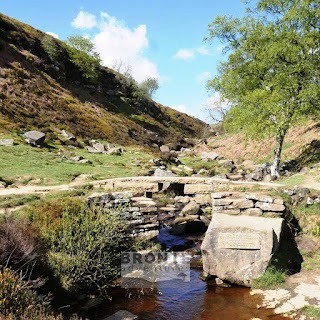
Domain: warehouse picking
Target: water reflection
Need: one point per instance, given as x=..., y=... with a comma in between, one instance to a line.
x=175, y=299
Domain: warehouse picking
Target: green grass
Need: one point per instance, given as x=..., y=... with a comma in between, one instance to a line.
x=296, y=179
x=17, y=200
x=23, y=163
x=270, y=279
x=309, y=218
x=311, y=311
x=311, y=262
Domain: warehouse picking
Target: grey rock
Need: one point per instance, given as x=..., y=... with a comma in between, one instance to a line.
x=259, y=197
x=191, y=208
x=35, y=138
x=164, y=173
x=98, y=146
x=68, y=135
x=76, y=158
x=238, y=249
x=115, y=151
x=6, y=142
x=92, y=150
x=122, y=315
x=164, y=148
x=243, y=203
x=265, y=206
x=209, y=156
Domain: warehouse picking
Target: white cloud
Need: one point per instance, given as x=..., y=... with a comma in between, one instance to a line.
x=184, y=54
x=180, y=108
x=203, y=51
x=84, y=20
x=187, y=54
x=53, y=34
x=117, y=42
x=204, y=76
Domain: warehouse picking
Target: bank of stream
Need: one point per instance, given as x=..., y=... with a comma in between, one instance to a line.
x=175, y=300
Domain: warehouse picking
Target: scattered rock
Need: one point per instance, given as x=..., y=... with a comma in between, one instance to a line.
x=6, y=142
x=207, y=156
x=35, y=138
x=164, y=148
x=92, y=150
x=115, y=151
x=164, y=173
x=69, y=136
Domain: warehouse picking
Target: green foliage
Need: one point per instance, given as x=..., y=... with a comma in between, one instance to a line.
x=49, y=45
x=84, y=56
x=270, y=279
x=272, y=75
x=85, y=242
x=17, y=200
x=311, y=311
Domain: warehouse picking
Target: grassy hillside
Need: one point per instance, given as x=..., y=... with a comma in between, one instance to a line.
x=38, y=92
x=300, y=144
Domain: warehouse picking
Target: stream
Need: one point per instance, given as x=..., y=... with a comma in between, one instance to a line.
x=175, y=299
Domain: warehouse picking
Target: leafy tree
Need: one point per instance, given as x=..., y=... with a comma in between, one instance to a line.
x=84, y=56
x=272, y=74
x=149, y=86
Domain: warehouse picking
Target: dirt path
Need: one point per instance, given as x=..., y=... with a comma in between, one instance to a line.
x=81, y=181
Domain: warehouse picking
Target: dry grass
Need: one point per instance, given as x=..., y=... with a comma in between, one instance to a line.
x=237, y=147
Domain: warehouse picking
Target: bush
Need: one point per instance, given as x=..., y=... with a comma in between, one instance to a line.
x=21, y=248
x=85, y=244
x=50, y=46
x=18, y=301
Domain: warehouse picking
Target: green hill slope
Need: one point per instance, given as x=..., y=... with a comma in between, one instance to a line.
x=37, y=92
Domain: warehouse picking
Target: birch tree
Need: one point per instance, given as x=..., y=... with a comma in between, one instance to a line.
x=272, y=74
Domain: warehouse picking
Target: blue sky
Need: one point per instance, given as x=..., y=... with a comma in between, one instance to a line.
x=156, y=38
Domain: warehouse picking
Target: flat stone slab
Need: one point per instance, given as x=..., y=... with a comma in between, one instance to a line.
x=6, y=142
x=239, y=248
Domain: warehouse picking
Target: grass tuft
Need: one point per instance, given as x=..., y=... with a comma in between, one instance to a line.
x=270, y=279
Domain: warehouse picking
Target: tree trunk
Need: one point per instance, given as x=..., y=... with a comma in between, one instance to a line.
x=277, y=157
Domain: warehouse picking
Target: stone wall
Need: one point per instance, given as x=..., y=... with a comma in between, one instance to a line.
x=250, y=204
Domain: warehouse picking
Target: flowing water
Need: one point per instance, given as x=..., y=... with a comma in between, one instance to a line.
x=175, y=300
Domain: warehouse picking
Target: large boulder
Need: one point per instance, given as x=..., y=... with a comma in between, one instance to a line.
x=35, y=138
x=238, y=249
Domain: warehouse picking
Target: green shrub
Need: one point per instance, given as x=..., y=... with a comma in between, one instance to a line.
x=49, y=45
x=85, y=244
x=17, y=300
x=270, y=279
x=311, y=311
